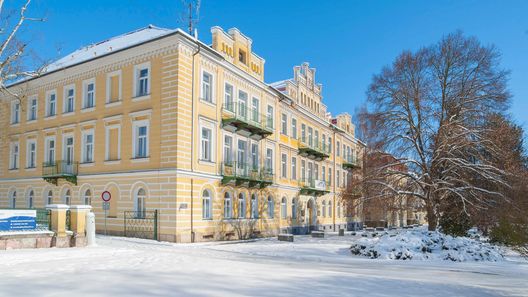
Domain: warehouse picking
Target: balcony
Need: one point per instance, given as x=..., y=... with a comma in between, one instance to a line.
x=239, y=118
x=350, y=163
x=313, y=187
x=312, y=149
x=51, y=172
x=242, y=174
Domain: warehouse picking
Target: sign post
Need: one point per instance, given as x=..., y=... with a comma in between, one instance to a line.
x=106, y=196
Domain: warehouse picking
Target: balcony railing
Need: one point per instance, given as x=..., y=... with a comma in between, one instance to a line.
x=351, y=163
x=51, y=172
x=313, y=187
x=238, y=117
x=313, y=149
x=244, y=174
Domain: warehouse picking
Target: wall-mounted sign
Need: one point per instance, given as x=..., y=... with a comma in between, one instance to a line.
x=17, y=219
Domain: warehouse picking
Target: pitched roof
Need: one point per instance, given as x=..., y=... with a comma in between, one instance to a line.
x=107, y=46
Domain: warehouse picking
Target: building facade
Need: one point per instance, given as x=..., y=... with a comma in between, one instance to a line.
x=165, y=122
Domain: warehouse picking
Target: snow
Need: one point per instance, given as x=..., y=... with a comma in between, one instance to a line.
x=424, y=245
x=108, y=46
x=265, y=267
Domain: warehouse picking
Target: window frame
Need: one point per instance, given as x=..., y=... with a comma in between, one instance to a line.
x=50, y=113
x=85, y=94
x=15, y=112
x=47, y=150
x=135, y=138
x=84, y=134
x=30, y=118
x=203, y=95
x=14, y=160
x=207, y=212
x=66, y=97
x=109, y=87
x=29, y=142
x=136, y=83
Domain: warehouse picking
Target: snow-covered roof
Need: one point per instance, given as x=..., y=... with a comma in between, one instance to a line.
x=110, y=45
x=279, y=83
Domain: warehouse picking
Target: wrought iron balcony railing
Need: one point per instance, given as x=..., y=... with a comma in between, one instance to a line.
x=313, y=187
x=239, y=117
x=68, y=170
x=313, y=149
x=244, y=174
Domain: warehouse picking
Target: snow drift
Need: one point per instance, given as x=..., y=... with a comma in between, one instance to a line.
x=425, y=245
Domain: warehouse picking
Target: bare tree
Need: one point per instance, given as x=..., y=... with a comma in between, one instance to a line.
x=428, y=109
x=13, y=50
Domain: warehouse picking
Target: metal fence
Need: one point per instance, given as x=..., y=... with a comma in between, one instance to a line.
x=68, y=220
x=141, y=224
x=43, y=219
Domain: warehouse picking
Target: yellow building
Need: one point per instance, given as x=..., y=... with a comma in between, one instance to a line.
x=165, y=122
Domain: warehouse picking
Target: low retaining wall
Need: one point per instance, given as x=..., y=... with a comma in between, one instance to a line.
x=26, y=240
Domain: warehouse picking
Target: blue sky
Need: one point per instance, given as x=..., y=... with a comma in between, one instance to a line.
x=347, y=41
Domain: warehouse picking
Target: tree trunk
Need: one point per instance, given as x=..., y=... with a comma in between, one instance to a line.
x=431, y=215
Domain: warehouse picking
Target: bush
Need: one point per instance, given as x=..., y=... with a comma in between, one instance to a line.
x=455, y=224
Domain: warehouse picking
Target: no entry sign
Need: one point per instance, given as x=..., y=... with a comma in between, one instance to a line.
x=106, y=196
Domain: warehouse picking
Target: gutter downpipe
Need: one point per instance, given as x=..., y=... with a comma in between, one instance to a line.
x=192, y=140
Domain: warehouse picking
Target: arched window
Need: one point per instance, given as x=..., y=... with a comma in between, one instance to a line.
x=284, y=209
x=338, y=210
x=271, y=207
x=254, y=207
x=228, y=206
x=207, y=210
x=30, y=199
x=49, y=197
x=12, y=199
x=323, y=211
x=241, y=205
x=88, y=197
x=330, y=209
x=294, y=208
x=139, y=203
x=67, y=197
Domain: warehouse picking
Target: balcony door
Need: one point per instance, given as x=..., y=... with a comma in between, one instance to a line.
x=68, y=154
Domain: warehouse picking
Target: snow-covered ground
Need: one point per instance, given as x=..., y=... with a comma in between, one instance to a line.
x=265, y=267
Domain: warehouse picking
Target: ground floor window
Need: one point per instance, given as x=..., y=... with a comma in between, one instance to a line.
x=284, y=209
x=88, y=197
x=139, y=204
x=241, y=205
x=30, y=199
x=67, y=197
x=254, y=207
x=271, y=207
x=207, y=211
x=228, y=206
x=49, y=197
x=294, y=208
x=12, y=199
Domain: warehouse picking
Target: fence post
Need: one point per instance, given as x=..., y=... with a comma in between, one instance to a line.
x=156, y=224
x=78, y=223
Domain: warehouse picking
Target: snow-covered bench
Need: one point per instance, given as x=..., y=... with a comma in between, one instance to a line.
x=285, y=237
x=318, y=234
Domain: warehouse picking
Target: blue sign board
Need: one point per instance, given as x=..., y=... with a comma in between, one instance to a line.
x=17, y=219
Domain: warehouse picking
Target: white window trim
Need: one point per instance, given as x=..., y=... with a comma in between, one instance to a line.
x=47, y=110
x=83, y=144
x=28, y=142
x=284, y=169
x=137, y=69
x=30, y=99
x=12, y=120
x=85, y=84
x=65, y=97
x=64, y=136
x=135, y=125
x=210, y=125
x=107, y=142
x=46, y=148
x=233, y=98
x=109, y=89
x=212, y=85
x=296, y=127
x=11, y=160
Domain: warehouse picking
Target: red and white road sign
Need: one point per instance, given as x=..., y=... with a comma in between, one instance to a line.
x=106, y=196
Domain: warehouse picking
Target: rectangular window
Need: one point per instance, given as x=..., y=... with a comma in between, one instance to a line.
x=316, y=138
x=67, y=149
x=303, y=170
x=50, y=151
x=88, y=147
x=142, y=80
x=294, y=168
x=254, y=156
x=206, y=144
x=228, y=98
x=337, y=178
x=14, y=156
x=310, y=171
x=323, y=172
x=338, y=149
x=31, y=154
x=89, y=94
x=303, y=133
x=284, y=124
x=32, y=108
x=269, y=159
x=329, y=176
x=269, y=117
x=323, y=143
x=228, y=149
x=329, y=144
x=310, y=136
x=51, y=104
x=141, y=139
x=294, y=128
x=207, y=87
x=284, y=168
x=242, y=104
x=241, y=154
x=255, y=107
x=69, y=100
x=15, y=112
x=316, y=171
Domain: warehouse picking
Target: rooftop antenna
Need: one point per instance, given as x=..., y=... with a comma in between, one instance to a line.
x=192, y=15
